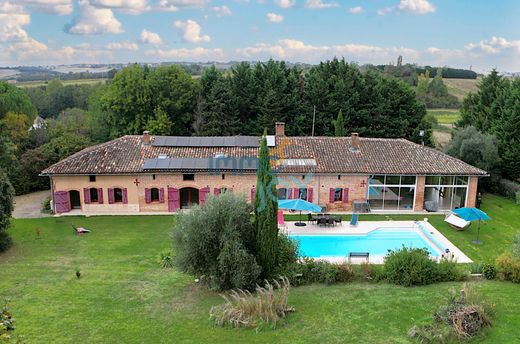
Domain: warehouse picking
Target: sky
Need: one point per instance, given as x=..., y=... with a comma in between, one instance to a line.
x=477, y=34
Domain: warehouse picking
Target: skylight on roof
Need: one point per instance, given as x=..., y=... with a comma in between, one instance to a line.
x=162, y=156
x=298, y=162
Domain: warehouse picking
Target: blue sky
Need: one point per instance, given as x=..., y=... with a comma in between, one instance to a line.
x=482, y=34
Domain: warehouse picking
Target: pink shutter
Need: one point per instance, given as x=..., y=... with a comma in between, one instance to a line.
x=147, y=195
x=86, y=195
x=174, y=203
x=110, y=196
x=216, y=191
x=253, y=191
x=202, y=195
x=289, y=193
x=100, y=195
x=345, y=195
x=309, y=195
x=331, y=195
x=161, y=195
x=61, y=202
x=296, y=193
x=125, y=196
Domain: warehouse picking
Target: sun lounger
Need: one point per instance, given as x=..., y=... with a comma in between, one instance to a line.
x=457, y=223
x=80, y=230
x=354, y=220
x=358, y=255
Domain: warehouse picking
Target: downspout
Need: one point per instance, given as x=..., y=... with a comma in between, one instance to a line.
x=52, y=195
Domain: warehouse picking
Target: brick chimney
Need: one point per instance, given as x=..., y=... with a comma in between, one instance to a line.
x=280, y=129
x=354, y=142
x=146, y=137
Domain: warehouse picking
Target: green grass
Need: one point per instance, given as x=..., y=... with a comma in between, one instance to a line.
x=24, y=84
x=123, y=296
x=445, y=116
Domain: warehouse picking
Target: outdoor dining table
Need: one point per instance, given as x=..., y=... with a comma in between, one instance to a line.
x=327, y=218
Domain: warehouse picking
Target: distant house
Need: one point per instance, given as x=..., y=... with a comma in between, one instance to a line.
x=140, y=174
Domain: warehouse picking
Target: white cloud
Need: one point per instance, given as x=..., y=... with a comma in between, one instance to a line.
x=356, y=10
x=59, y=7
x=94, y=21
x=122, y=46
x=176, y=5
x=190, y=31
x=296, y=50
x=221, y=11
x=13, y=18
x=274, y=18
x=149, y=37
x=320, y=4
x=284, y=3
x=409, y=6
x=128, y=6
x=183, y=54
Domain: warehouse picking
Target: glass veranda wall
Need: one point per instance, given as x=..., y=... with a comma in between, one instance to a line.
x=448, y=192
x=391, y=192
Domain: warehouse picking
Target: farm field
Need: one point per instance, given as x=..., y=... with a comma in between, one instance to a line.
x=23, y=84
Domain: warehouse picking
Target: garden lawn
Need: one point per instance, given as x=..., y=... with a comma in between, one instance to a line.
x=124, y=296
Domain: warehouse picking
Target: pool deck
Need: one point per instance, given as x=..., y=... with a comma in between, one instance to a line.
x=428, y=232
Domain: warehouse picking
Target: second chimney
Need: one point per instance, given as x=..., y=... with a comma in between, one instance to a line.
x=354, y=142
x=146, y=137
x=280, y=129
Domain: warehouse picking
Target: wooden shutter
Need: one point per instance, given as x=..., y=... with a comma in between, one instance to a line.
x=174, y=203
x=100, y=195
x=309, y=195
x=125, y=196
x=202, y=195
x=331, y=195
x=345, y=195
x=161, y=195
x=86, y=195
x=147, y=195
x=296, y=193
x=216, y=191
x=61, y=202
x=111, y=198
x=289, y=193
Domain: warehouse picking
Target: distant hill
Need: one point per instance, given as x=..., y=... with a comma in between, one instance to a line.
x=461, y=87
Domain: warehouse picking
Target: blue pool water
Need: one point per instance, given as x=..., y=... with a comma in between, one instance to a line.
x=377, y=242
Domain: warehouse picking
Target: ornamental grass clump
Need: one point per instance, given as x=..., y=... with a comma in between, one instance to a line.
x=267, y=306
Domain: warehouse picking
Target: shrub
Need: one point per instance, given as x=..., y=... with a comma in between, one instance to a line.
x=46, y=206
x=508, y=188
x=215, y=241
x=476, y=267
x=244, y=309
x=508, y=267
x=165, y=259
x=288, y=255
x=489, y=271
x=345, y=273
x=7, y=326
x=318, y=271
x=5, y=241
x=410, y=266
x=448, y=270
x=515, y=247
x=463, y=317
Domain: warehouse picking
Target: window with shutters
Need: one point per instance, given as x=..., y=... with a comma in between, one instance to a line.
x=118, y=195
x=338, y=194
x=154, y=194
x=94, y=197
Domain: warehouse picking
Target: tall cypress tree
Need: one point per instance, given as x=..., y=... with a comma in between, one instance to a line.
x=339, y=125
x=266, y=210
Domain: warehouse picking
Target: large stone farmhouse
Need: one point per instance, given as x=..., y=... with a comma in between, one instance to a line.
x=153, y=174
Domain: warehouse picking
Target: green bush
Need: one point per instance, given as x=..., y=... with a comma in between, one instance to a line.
x=448, y=270
x=46, y=206
x=215, y=241
x=508, y=267
x=165, y=259
x=7, y=326
x=476, y=267
x=489, y=271
x=508, y=188
x=515, y=247
x=410, y=266
x=288, y=256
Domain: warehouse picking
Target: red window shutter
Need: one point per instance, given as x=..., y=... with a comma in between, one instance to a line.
x=61, y=202
x=296, y=193
x=125, y=196
x=110, y=196
x=100, y=195
x=289, y=193
x=86, y=195
x=173, y=200
x=253, y=191
x=309, y=194
x=161, y=195
x=202, y=195
x=345, y=195
x=147, y=195
x=331, y=195
x=216, y=191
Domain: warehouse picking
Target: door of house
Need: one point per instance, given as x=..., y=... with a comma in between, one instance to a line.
x=75, y=202
x=61, y=202
x=189, y=197
x=173, y=200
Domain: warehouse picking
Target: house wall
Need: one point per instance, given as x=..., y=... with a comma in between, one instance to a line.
x=472, y=192
x=419, y=193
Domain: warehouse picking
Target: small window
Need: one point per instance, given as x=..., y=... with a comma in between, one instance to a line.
x=338, y=194
x=93, y=195
x=339, y=176
x=154, y=194
x=153, y=176
x=118, y=195
x=92, y=178
x=407, y=180
x=186, y=177
x=303, y=193
x=223, y=176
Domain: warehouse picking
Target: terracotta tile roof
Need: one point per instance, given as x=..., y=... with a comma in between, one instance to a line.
x=127, y=155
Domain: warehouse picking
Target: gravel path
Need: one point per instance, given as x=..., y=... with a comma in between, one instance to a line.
x=29, y=205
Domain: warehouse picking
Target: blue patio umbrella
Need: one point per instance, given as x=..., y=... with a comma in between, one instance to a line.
x=298, y=204
x=472, y=214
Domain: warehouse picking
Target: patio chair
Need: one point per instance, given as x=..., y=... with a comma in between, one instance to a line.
x=338, y=219
x=322, y=221
x=330, y=221
x=456, y=222
x=281, y=221
x=354, y=220
x=311, y=218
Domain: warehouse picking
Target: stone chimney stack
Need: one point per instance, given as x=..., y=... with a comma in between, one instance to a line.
x=354, y=142
x=280, y=129
x=147, y=139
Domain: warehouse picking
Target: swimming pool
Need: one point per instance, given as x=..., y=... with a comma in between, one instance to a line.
x=376, y=242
